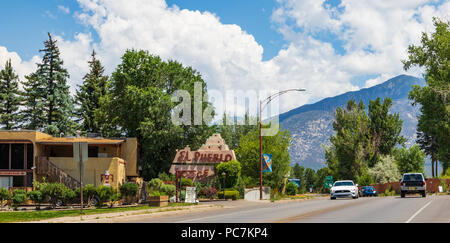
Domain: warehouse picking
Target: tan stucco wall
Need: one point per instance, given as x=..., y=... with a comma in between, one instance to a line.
x=130, y=155
x=93, y=169
x=98, y=165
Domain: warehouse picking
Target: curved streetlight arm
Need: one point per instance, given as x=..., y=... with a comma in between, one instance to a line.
x=270, y=98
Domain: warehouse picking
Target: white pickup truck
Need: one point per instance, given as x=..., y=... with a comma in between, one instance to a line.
x=344, y=189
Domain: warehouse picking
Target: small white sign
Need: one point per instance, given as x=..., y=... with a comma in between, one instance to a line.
x=191, y=195
x=441, y=189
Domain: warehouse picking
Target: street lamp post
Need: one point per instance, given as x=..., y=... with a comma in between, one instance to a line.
x=267, y=101
x=223, y=184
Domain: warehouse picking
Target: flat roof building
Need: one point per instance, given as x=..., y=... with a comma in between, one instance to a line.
x=32, y=155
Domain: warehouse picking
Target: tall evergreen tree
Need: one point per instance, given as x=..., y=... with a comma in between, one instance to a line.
x=54, y=98
x=32, y=115
x=89, y=94
x=10, y=97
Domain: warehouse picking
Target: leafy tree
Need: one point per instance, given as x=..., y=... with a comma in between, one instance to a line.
x=53, y=94
x=321, y=174
x=361, y=139
x=89, y=94
x=232, y=131
x=385, y=170
x=429, y=145
x=310, y=178
x=248, y=153
x=385, y=129
x=298, y=173
x=434, y=121
x=410, y=160
x=233, y=172
x=10, y=97
x=138, y=104
x=350, y=146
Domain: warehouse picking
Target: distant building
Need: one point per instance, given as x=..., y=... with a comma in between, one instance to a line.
x=31, y=155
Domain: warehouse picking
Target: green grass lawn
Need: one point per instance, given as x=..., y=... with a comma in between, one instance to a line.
x=7, y=217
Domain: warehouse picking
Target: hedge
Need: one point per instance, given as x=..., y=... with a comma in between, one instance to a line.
x=229, y=194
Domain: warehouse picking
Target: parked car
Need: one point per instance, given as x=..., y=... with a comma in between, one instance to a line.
x=368, y=191
x=344, y=189
x=412, y=183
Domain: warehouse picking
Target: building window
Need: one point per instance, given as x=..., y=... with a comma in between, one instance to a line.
x=17, y=156
x=93, y=151
x=30, y=155
x=4, y=156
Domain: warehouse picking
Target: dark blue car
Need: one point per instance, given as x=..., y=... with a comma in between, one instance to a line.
x=368, y=191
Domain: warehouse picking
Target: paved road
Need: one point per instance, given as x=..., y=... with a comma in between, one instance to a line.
x=412, y=209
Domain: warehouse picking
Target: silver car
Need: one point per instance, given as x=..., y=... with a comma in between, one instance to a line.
x=412, y=183
x=344, y=189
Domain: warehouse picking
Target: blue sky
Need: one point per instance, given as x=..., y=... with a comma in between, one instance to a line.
x=40, y=17
x=326, y=46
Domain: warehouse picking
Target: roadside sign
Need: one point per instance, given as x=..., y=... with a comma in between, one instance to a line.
x=80, y=147
x=328, y=182
x=191, y=195
x=267, y=163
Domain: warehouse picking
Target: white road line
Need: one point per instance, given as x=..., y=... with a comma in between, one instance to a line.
x=420, y=210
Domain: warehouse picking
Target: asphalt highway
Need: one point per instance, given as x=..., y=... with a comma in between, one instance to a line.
x=412, y=209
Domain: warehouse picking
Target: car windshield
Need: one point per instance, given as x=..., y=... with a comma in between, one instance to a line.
x=413, y=177
x=368, y=188
x=343, y=183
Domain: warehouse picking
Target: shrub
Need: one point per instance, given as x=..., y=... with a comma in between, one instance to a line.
x=4, y=195
x=36, y=197
x=55, y=192
x=19, y=196
x=444, y=185
x=169, y=190
x=89, y=193
x=157, y=194
x=291, y=189
x=68, y=195
x=365, y=180
x=128, y=191
x=229, y=194
x=186, y=182
x=155, y=184
x=210, y=192
x=233, y=172
x=166, y=177
x=105, y=194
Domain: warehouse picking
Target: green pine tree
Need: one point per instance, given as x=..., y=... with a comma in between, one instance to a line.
x=32, y=115
x=89, y=94
x=55, y=101
x=10, y=98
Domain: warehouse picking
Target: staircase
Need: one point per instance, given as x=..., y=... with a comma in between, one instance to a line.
x=54, y=174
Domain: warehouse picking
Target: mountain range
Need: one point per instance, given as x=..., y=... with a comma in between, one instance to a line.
x=311, y=125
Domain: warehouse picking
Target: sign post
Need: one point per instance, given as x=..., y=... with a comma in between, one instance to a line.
x=80, y=155
x=328, y=182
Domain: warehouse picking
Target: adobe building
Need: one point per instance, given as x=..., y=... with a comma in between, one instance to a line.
x=200, y=165
x=31, y=155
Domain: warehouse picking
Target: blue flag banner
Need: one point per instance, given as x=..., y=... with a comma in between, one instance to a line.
x=267, y=163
